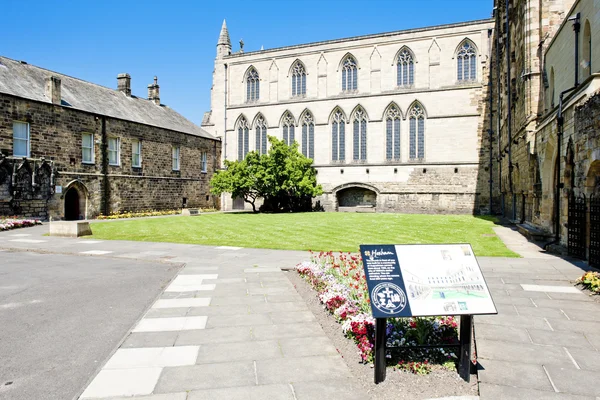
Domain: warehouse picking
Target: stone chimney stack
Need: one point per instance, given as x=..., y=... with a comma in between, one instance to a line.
x=154, y=92
x=53, y=89
x=124, y=84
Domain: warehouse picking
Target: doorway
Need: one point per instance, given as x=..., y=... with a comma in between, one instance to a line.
x=72, y=211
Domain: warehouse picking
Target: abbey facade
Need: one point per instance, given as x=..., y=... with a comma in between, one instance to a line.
x=393, y=121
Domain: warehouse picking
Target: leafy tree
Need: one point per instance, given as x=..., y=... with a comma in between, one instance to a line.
x=284, y=178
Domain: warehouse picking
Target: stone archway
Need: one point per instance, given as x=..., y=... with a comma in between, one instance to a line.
x=356, y=198
x=75, y=201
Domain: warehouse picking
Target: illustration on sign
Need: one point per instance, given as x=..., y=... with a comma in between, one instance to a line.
x=423, y=280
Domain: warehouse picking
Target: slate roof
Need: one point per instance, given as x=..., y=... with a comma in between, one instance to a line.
x=28, y=81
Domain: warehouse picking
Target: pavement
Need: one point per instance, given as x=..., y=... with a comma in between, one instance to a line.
x=231, y=326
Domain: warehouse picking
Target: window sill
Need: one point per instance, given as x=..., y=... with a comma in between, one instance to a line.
x=114, y=165
x=88, y=163
x=203, y=172
x=136, y=166
x=21, y=155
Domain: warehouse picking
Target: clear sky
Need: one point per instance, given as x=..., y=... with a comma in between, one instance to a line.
x=176, y=40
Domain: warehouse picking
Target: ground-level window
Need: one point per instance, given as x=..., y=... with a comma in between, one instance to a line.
x=20, y=139
x=176, y=158
x=204, y=162
x=87, y=148
x=136, y=153
x=113, y=151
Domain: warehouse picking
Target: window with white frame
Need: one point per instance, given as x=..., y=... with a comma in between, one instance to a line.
x=289, y=134
x=349, y=74
x=416, y=133
x=175, y=154
x=298, y=80
x=113, y=151
x=466, y=63
x=359, y=122
x=338, y=137
x=261, y=135
x=204, y=162
x=243, y=139
x=21, y=139
x=308, y=135
x=87, y=148
x=136, y=153
x=406, y=68
x=252, y=86
x=392, y=133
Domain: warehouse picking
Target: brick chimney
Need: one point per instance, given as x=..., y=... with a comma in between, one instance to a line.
x=53, y=89
x=154, y=92
x=124, y=84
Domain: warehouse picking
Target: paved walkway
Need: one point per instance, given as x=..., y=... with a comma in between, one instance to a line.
x=232, y=326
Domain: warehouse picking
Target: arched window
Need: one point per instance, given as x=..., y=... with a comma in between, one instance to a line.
x=466, y=62
x=298, y=79
x=359, y=122
x=586, y=63
x=417, y=133
x=338, y=136
x=243, y=138
x=551, y=88
x=392, y=133
x=308, y=135
x=406, y=71
x=261, y=135
x=288, y=129
x=252, y=86
x=349, y=74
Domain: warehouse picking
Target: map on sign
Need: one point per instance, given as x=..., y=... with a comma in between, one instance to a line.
x=425, y=280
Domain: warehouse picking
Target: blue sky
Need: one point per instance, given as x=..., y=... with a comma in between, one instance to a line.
x=175, y=40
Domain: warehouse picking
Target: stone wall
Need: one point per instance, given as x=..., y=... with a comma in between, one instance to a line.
x=56, y=135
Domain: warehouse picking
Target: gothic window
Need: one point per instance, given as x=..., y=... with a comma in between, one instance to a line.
x=252, y=86
x=406, y=68
x=349, y=75
x=392, y=133
x=586, y=63
x=261, y=135
x=417, y=133
x=359, y=123
x=298, y=79
x=243, y=139
x=288, y=129
x=338, y=136
x=308, y=136
x=466, y=58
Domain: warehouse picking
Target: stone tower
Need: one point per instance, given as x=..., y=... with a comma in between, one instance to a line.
x=224, y=44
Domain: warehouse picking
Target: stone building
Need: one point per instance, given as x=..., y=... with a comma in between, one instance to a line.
x=548, y=59
x=393, y=121
x=70, y=149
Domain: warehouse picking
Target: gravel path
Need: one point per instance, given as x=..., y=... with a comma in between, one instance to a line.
x=398, y=384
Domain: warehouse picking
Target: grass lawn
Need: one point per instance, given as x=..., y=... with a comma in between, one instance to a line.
x=310, y=231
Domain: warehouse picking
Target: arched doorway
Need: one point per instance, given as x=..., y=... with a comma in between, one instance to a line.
x=356, y=198
x=72, y=210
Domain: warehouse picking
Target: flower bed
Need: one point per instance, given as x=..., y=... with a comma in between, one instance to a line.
x=8, y=223
x=342, y=288
x=137, y=214
x=591, y=281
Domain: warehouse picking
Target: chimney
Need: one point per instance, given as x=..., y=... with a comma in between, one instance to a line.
x=53, y=89
x=124, y=84
x=154, y=92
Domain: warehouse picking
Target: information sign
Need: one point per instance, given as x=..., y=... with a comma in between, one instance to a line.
x=425, y=280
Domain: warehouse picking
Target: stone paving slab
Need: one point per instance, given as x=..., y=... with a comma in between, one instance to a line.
x=240, y=351
x=559, y=338
x=213, y=336
x=176, y=379
x=502, y=392
x=280, y=331
x=301, y=369
x=306, y=346
x=528, y=376
x=502, y=333
x=574, y=381
x=150, y=339
x=585, y=358
x=167, y=396
x=524, y=352
x=331, y=390
x=260, y=392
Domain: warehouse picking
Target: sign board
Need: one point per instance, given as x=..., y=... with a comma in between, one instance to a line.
x=425, y=280
x=58, y=189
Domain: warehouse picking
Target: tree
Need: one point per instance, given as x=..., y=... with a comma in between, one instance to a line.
x=284, y=178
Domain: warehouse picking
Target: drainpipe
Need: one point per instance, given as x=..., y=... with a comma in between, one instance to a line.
x=104, y=169
x=509, y=112
x=224, y=128
x=576, y=28
x=490, y=130
x=499, y=110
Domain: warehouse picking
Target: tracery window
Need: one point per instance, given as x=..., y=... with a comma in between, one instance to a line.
x=417, y=133
x=466, y=67
x=349, y=75
x=406, y=68
x=308, y=136
x=243, y=139
x=261, y=135
x=360, y=135
x=298, y=80
x=392, y=133
x=338, y=136
x=289, y=135
x=252, y=86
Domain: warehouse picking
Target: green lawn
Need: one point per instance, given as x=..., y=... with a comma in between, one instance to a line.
x=309, y=231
